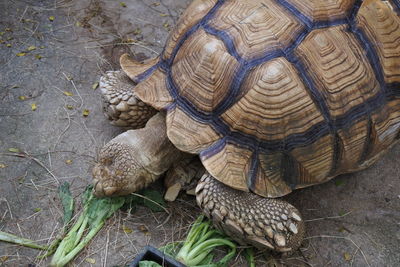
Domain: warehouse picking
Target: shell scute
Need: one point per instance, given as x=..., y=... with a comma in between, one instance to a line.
x=257, y=27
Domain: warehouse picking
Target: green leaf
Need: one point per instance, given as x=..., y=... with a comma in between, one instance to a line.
x=14, y=150
x=149, y=264
x=339, y=182
x=154, y=198
x=67, y=202
x=249, y=255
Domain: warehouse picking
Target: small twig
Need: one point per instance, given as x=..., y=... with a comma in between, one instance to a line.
x=106, y=252
x=8, y=206
x=24, y=154
x=332, y=217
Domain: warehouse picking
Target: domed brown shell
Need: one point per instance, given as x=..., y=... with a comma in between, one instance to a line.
x=276, y=95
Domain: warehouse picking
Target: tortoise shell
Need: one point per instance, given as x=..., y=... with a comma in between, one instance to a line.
x=276, y=95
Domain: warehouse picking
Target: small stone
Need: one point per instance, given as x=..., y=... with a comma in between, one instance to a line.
x=280, y=226
x=284, y=217
x=125, y=97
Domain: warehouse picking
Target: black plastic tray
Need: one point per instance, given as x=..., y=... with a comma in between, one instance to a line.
x=152, y=254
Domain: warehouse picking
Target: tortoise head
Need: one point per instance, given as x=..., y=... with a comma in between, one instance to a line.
x=134, y=159
x=118, y=171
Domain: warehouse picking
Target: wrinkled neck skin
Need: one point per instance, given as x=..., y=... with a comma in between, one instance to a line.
x=134, y=159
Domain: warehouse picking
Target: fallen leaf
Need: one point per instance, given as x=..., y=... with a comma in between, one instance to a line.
x=341, y=213
x=21, y=54
x=2, y=166
x=67, y=93
x=21, y=97
x=33, y=106
x=37, y=209
x=142, y=228
x=137, y=31
x=123, y=4
x=85, y=112
x=52, y=18
x=78, y=24
x=166, y=25
x=31, y=48
x=3, y=258
x=8, y=29
x=339, y=182
x=155, y=4
x=126, y=229
x=38, y=56
x=95, y=85
x=42, y=47
x=347, y=256
x=1, y=33
x=8, y=45
x=163, y=15
x=1, y=41
x=68, y=161
x=10, y=38
x=14, y=150
x=90, y=260
x=70, y=107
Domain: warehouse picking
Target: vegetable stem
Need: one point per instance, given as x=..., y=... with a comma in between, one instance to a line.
x=20, y=241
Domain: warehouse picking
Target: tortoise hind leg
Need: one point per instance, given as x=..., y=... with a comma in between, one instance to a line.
x=183, y=175
x=247, y=218
x=121, y=106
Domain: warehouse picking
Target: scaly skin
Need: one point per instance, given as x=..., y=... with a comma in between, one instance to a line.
x=121, y=106
x=265, y=223
x=136, y=158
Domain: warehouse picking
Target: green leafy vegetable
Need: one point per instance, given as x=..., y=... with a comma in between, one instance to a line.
x=249, y=254
x=95, y=212
x=20, y=241
x=67, y=202
x=153, y=200
x=149, y=264
x=200, y=241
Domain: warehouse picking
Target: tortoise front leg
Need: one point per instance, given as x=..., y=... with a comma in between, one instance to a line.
x=120, y=104
x=247, y=218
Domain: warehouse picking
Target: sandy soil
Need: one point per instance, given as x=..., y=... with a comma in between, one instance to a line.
x=353, y=220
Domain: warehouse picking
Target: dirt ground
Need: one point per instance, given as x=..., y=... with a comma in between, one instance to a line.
x=51, y=55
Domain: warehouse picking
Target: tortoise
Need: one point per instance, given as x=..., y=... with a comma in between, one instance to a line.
x=271, y=95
